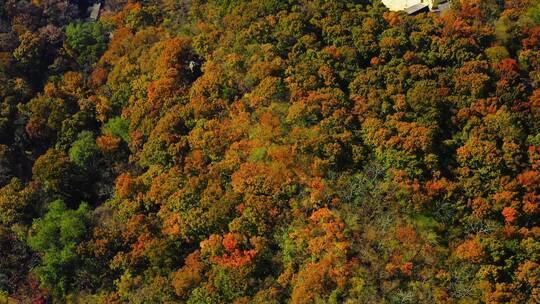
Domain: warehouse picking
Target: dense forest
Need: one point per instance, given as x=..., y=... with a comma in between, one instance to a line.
x=269, y=151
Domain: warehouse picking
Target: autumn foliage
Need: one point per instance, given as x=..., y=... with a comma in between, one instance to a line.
x=264, y=151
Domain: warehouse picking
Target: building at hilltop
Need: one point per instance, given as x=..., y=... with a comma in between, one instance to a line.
x=413, y=7
x=94, y=11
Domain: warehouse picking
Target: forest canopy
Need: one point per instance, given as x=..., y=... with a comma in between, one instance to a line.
x=266, y=151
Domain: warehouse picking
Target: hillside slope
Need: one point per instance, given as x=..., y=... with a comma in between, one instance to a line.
x=265, y=151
